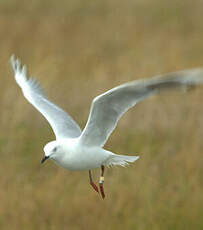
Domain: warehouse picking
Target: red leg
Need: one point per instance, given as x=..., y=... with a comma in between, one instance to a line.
x=101, y=182
x=92, y=183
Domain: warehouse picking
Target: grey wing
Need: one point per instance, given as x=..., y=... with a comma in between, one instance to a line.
x=62, y=124
x=107, y=109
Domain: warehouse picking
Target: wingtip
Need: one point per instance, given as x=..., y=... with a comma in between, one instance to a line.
x=15, y=63
x=24, y=70
x=12, y=61
x=19, y=70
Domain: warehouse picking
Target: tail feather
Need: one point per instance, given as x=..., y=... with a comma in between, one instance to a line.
x=121, y=160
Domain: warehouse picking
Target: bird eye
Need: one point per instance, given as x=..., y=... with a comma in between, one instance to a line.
x=54, y=149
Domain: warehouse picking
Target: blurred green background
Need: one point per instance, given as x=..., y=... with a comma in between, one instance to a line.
x=79, y=49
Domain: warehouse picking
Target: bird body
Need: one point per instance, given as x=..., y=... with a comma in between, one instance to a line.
x=70, y=154
x=74, y=149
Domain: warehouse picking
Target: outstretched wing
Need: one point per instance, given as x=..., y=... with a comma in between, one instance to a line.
x=62, y=124
x=107, y=108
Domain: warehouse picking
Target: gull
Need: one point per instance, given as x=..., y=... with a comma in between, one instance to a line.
x=74, y=149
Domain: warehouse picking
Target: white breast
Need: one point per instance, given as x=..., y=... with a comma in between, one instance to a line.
x=77, y=157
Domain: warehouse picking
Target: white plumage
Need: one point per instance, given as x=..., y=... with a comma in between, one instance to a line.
x=76, y=150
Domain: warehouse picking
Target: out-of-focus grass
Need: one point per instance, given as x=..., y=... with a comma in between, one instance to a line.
x=78, y=49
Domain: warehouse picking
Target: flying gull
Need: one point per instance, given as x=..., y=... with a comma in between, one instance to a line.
x=74, y=149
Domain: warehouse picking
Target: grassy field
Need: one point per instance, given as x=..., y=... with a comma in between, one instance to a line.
x=78, y=49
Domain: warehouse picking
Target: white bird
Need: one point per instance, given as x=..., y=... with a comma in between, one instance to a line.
x=74, y=149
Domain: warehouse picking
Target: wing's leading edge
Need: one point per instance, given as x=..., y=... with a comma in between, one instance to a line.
x=107, y=108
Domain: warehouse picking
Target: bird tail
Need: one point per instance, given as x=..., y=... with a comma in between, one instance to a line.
x=121, y=160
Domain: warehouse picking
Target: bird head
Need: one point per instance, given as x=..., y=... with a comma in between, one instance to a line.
x=51, y=150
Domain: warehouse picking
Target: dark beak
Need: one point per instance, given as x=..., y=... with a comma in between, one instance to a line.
x=44, y=159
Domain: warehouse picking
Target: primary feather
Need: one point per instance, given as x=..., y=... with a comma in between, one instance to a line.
x=63, y=125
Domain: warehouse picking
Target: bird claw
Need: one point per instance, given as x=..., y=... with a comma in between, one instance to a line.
x=101, y=189
x=101, y=182
x=94, y=186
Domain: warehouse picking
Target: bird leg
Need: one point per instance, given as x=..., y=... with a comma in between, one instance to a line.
x=92, y=183
x=101, y=181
